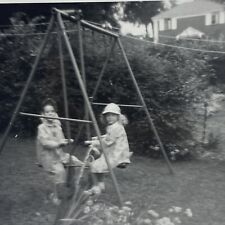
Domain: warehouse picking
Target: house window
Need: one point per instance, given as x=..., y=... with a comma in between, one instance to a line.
x=168, y=24
x=215, y=18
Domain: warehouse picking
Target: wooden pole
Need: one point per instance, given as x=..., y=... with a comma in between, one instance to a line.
x=86, y=99
x=145, y=107
x=27, y=85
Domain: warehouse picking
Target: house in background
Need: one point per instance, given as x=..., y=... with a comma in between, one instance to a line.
x=200, y=18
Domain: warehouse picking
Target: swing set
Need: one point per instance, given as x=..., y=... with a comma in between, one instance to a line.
x=57, y=22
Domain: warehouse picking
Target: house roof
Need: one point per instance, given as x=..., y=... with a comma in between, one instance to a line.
x=197, y=7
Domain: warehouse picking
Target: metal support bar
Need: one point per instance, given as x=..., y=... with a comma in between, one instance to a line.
x=65, y=100
x=85, y=23
x=98, y=29
x=86, y=99
x=27, y=85
x=122, y=105
x=145, y=107
x=82, y=66
x=204, y=121
x=104, y=68
x=63, y=77
x=98, y=83
x=56, y=118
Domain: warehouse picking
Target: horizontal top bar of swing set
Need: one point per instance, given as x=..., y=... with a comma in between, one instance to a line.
x=85, y=23
x=56, y=118
x=122, y=105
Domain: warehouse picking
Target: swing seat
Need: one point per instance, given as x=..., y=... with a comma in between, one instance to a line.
x=38, y=165
x=123, y=165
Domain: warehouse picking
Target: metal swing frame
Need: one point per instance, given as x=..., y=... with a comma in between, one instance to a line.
x=57, y=18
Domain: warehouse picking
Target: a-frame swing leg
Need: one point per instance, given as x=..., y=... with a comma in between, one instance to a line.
x=63, y=78
x=65, y=99
x=82, y=67
x=145, y=107
x=27, y=85
x=103, y=69
x=87, y=102
x=98, y=83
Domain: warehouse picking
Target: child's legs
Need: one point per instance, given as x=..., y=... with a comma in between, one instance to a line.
x=60, y=173
x=74, y=160
x=96, y=178
x=59, y=179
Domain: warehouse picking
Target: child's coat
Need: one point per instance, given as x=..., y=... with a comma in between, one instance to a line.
x=116, y=146
x=49, y=154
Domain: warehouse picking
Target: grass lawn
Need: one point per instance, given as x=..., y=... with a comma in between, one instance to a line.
x=198, y=185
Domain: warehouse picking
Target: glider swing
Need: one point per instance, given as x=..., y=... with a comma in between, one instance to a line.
x=57, y=18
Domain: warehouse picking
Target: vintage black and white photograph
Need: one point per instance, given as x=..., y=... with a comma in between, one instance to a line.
x=112, y=112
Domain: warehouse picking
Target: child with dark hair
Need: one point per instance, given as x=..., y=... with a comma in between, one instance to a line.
x=50, y=143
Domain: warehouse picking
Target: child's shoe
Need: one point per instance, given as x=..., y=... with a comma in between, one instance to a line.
x=55, y=200
x=76, y=161
x=101, y=185
x=95, y=190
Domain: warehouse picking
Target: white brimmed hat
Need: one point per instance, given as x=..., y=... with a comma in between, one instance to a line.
x=112, y=108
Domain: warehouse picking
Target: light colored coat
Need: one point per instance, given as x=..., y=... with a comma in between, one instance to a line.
x=116, y=146
x=48, y=151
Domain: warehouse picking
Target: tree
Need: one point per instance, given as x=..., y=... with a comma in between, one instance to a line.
x=98, y=11
x=219, y=1
x=141, y=12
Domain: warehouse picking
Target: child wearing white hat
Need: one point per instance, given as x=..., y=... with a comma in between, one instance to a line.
x=115, y=144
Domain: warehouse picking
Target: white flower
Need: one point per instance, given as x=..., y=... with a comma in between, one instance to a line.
x=188, y=212
x=177, y=209
x=97, y=190
x=164, y=221
x=153, y=213
x=147, y=221
x=142, y=221
x=86, y=209
x=90, y=202
x=128, y=203
x=126, y=208
x=171, y=210
x=96, y=207
x=177, y=220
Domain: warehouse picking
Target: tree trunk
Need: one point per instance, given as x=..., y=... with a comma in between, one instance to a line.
x=151, y=22
x=146, y=31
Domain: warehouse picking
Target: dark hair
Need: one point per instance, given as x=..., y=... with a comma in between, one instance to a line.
x=49, y=101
